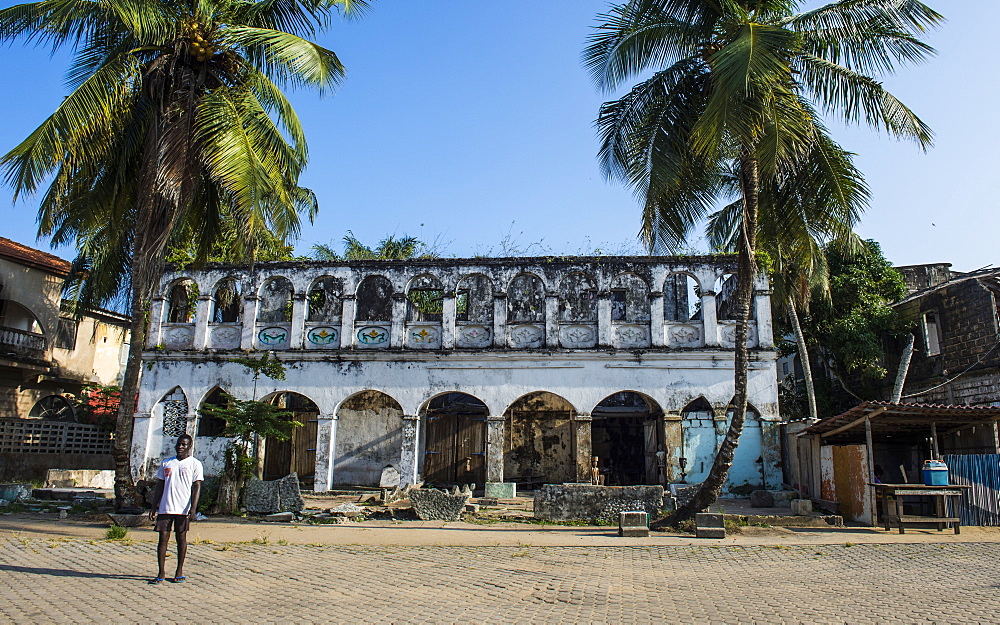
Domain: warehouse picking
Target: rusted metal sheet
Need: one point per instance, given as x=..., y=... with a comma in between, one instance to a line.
x=850, y=475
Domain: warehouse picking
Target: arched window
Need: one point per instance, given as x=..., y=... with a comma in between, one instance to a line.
x=526, y=300
x=629, y=299
x=325, y=304
x=374, y=299
x=681, y=298
x=228, y=302
x=424, y=299
x=578, y=298
x=182, y=302
x=210, y=424
x=276, y=301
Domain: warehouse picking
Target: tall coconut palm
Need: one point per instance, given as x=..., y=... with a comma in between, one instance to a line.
x=792, y=234
x=732, y=110
x=176, y=123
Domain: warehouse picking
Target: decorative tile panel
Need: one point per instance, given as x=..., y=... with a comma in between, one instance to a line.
x=475, y=336
x=175, y=417
x=322, y=337
x=631, y=336
x=274, y=337
x=727, y=334
x=225, y=337
x=423, y=336
x=372, y=336
x=178, y=336
x=578, y=336
x=684, y=335
x=527, y=336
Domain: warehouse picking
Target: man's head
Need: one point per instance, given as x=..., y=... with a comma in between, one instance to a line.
x=183, y=446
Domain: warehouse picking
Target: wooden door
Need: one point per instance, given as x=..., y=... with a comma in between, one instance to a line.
x=439, y=449
x=296, y=454
x=450, y=440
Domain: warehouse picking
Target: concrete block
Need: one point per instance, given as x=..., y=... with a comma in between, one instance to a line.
x=130, y=520
x=598, y=504
x=15, y=492
x=472, y=507
x=280, y=517
x=83, y=478
x=710, y=525
x=802, y=507
x=501, y=490
x=761, y=499
x=633, y=524
x=488, y=501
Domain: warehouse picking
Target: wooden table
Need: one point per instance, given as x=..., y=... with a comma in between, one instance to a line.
x=941, y=494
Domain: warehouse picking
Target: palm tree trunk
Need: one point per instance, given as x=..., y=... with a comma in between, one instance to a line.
x=746, y=271
x=904, y=368
x=800, y=342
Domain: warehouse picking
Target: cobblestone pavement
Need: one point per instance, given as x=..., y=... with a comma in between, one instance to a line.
x=72, y=580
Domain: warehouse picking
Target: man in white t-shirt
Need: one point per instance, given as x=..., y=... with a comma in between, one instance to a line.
x=178, y=487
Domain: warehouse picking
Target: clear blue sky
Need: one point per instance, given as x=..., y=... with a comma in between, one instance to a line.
x=466, y=120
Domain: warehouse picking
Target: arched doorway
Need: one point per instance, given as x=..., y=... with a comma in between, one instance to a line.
x=297, y=454
x=698, y=440
x=369, y=438
x=455, y=441
x=540, y=443
x=626, y=433
x=746, y=475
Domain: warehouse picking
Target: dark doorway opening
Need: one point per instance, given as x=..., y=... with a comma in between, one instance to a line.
x=626, y=434
x=455, y=442
x=298, y=453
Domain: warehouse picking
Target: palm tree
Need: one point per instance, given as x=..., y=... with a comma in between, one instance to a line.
x=731, y=113
x=389, y=248
x=176, y=124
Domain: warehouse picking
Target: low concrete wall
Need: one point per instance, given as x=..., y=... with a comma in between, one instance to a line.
x=27, y=467
x=601, y=504
x=84, y=478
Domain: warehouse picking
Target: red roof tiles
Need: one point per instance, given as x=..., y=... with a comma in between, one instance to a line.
x=12, y=250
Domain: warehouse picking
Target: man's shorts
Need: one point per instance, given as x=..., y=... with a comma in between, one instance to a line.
x=180, y=522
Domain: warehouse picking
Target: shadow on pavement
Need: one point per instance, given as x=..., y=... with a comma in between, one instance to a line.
x=66, y=572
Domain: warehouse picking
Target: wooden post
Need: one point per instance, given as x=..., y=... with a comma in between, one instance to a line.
x=935, y=450
x=871, y=470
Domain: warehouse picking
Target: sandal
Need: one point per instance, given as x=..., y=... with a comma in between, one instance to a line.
x=155, y=580
x=178, y=580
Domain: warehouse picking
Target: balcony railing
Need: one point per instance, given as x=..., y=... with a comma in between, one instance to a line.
x=20, y=343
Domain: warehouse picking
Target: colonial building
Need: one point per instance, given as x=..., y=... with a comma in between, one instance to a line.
x=47, y=357
x=466, y=370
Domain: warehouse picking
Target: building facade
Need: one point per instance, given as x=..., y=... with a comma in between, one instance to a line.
x=956, y=359
x=466, y=370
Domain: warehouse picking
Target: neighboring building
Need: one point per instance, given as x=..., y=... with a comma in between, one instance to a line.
x=44, y=350
x=466, y=370
x=956, y=359
x=47, y=356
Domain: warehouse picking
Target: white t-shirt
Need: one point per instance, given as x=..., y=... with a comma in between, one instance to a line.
x=178, y=476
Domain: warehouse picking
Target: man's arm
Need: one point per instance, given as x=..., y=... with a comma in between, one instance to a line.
x=195, y=495
x=157, y=496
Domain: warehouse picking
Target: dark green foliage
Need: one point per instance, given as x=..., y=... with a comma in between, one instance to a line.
x=247, y=419
x=267, y=365
x=853, y=324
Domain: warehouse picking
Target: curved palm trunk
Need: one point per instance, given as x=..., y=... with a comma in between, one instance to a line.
x=746, y=271
x=800, y=342
x=166, y=166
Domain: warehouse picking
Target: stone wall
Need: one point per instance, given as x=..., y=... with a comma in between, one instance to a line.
x=600, y=504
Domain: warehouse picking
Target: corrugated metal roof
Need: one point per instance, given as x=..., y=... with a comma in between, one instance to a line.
x=900, y=419
x=17, y=252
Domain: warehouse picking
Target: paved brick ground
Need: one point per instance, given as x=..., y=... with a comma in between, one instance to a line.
x=60, y=580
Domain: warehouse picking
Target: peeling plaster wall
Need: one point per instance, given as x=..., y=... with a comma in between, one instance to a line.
x=614, y=340
x=369, y=437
